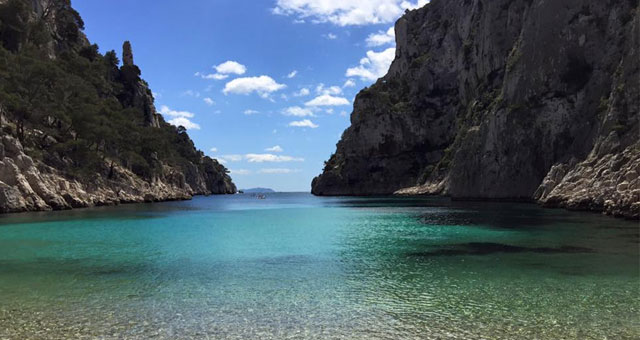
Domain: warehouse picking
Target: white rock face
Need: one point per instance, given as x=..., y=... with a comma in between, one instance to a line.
x=26, y=185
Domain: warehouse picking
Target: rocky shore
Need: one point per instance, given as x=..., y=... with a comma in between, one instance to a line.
x=28, y=185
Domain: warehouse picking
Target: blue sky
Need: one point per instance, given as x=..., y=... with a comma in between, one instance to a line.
x=265, y=86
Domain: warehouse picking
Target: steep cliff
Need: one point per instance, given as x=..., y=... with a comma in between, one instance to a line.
x=502, y=99
x=77, y=129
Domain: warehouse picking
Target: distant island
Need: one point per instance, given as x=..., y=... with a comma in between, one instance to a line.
x=256, y=191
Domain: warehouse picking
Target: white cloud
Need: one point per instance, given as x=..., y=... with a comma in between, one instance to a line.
x=240, y=172
x=250, y=112
x=327, y=100
x=349, y=83
x=303, y=92
x=382, y=38
x=263, y=85
x=292, y=74
x=231, y=67
x=304, y=123
x=216, y=76
x=184, y=122
x=374, y=65
x=276, y=148
x=180, y=118
x=214, y=149
x=331, y=36
x=209, y=101
x=332, y=90
x=297, y=111
x=166, y=111
x=278, y=171
x=268, y=157
x=231, y=158
x=346, y=12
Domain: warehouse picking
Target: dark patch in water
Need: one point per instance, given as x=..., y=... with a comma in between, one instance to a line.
x=632, y=235
x=617, y=227
x=113, y=271
x=287, y=259
x=488, y=248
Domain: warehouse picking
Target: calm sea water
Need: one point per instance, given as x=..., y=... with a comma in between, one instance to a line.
x=297, y=266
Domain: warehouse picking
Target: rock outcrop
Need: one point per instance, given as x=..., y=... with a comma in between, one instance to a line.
x=137, y=92
x=505, y=99
x=27, y=185
x=127, y=54
x=41, y=151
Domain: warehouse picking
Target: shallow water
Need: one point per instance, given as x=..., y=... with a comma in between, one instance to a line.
x=298, y=266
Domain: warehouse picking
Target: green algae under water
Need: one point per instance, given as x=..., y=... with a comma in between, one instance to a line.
x=298, y=266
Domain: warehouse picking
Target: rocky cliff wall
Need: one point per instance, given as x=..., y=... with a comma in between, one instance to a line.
x=28, y=185
x=503, y=99
x=36, y=169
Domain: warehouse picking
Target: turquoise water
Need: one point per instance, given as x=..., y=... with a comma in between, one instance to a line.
x=298, y=266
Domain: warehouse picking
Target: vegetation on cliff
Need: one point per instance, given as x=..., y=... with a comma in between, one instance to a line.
x=80, y=112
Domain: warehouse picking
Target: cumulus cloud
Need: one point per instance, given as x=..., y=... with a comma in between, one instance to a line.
x=292, y=74
x=304, y=123
x=278, y=171
x=166, y=111
x=331, y=90
x=179, y=118
x=349, y=83
x=184, y=122
x=276, y=148
x=250, y=112
x=331, y=36
x=231, y=67
x=382, y=38
x=327, y=100
x=297, y=111
x=209, y=101
x=303, y=92
x=374, y=65
x=262, y=85
x=346, y=12
x=270, y=158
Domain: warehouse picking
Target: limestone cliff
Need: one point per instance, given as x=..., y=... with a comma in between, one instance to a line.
x=502, y=99
x=77, y=129
x=28, y=185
